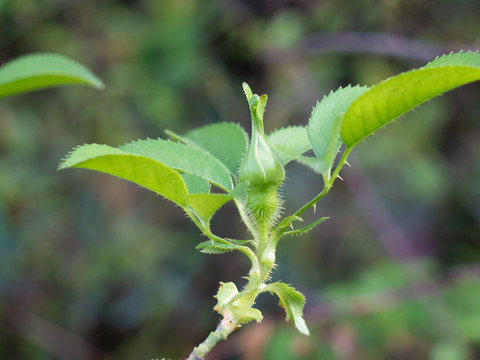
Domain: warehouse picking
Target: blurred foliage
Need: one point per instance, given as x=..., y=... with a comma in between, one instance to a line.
x=381, y=314
x=91, y=266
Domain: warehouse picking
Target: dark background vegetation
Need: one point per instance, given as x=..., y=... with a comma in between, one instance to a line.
x=92, y=267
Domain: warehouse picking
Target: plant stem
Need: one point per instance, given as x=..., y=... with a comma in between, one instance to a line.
x=257, y=276
x=224, y=328
x=328, y=184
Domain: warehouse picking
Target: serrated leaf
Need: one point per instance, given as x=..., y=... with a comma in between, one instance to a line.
x=289, y=142
x=196, y=184
x=292, y=301
x=214, y=250
x=40, y=71
x=210, y=247
x=225, y=141
x=141, y=170
x=240, y=191
x=181, y=157
x=306, y=228
x=325, y=123
x=395, y=96
x=205, y=205
x=288, y=222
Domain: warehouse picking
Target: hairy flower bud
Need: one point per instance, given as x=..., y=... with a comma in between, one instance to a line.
x=261, y=168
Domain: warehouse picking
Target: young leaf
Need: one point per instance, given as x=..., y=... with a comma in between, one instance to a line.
x=289, y=142
x=240, y=191
x=325, y=123
x=39, y=71
x=205, y=205
x=288, y=222
x=292, y=301
x=196, y=184
x=306, y=228
x=248, y=92
x=246, y=314
x=181, y=157
x=141, y=170
x=395, y=96
x=226, y=293
x=226, y=141
x=210, y=247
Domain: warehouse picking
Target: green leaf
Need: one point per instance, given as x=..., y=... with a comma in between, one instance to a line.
x=141, y=170
x=205, y=205
x=287, y=222
x=260, y=106
x=240, y=191
x=196, y=184
x=289, y=142
x=395, y=96
x=240, y=314
x=226, y=293
x=181, y=157
x=314, y=163
x=225, y=141
x=211, y=247
x=248, y=92
x=292, y=301
x=246, y=314
x=325, y=123
x=306, y=228
x=40, y=71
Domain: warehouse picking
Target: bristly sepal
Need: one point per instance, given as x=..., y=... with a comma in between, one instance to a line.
x=261, y=169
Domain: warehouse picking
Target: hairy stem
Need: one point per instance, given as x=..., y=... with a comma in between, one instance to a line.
x=258, y=275
x=224, y=328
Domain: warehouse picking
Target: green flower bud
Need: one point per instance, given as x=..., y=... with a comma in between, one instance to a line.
x=261, y=168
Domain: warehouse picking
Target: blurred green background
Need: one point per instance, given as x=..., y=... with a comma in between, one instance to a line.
x=92, y=267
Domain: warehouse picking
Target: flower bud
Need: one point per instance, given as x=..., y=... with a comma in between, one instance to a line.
x=261, y=168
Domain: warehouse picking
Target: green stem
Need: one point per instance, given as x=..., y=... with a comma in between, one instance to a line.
x=244, y=249
x=224, y=328
x=207, y=232
x=328, y=184
x=263, y=262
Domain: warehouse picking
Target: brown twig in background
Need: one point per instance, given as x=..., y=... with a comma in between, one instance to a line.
x=365, y=43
